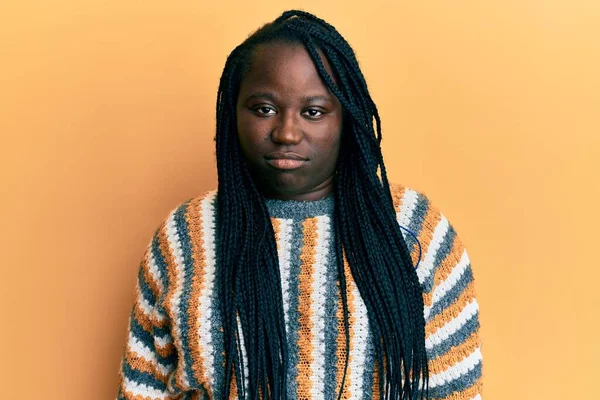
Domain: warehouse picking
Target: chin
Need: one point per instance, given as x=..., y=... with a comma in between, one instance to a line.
x=284, y=184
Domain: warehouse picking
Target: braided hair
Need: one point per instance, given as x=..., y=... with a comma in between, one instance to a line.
x=370, y=240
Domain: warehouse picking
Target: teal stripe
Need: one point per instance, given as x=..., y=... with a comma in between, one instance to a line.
x=294, y=316
x=331, y=322
x=161, y=265
x=442, y=252
x=218, y=359
x=452, y=295
x=182, y=229
x=416, y=221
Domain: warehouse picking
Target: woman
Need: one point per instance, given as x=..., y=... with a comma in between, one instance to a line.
x=307, y=276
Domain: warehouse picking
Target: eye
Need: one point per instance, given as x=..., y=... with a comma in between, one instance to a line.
x=264, y=110
x=313, y=113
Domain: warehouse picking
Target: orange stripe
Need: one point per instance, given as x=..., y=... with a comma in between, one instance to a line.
x=468, y=393
x=166, y=350
x=450, y=312
x=195, y=231
x=445, y=268
x=141, y=317
x=196, y=395
x=305, y=328
x=341, y=339
x=375, y=389
x=277, y=229
x=398, y=192
x=455, y=355
x=159, y=323
x=430, y=222
x=140, y=364
x=163, y=244
x=233, y=389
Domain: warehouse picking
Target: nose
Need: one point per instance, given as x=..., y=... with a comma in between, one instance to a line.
x=287, y=129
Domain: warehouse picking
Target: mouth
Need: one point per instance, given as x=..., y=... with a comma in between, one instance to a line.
x=285, y=160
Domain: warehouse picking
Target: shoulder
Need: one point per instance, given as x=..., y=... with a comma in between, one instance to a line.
x=192, y=211
x=413, y=207
x=431, y=239
x=183, y=230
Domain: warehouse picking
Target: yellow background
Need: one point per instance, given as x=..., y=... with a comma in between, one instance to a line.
x=107, y=123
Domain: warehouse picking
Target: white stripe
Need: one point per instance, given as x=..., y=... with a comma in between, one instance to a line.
x=284, y=249
x=407, y=208
x=163, y=341
x=359, y=343
x=139, y=389
x=444, y=287
x=457, y=370
x=159, y=317
x=425, y=268
x=452, y=326
x=207, y=214
x=318, y=306
x=478, y=397
x=147, y=354
x=152, y=313
x=175, y=247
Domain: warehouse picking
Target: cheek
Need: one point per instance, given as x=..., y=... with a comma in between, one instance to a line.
x=250, y=133
x=330, y=144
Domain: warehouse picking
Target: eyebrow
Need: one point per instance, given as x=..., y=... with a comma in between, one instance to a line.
x=273, y=97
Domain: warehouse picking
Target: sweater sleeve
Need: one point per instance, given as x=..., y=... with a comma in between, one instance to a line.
x=149, y=358
x=451, y=311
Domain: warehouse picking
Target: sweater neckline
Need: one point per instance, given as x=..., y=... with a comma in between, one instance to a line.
x=293, y=209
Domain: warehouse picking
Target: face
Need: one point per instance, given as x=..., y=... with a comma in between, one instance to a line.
x=289, y=123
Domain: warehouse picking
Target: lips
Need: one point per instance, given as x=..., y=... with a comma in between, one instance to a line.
x=285, y=160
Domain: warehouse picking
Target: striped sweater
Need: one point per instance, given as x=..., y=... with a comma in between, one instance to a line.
x=174, y=346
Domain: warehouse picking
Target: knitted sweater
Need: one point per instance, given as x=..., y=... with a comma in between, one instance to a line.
x=174, y=344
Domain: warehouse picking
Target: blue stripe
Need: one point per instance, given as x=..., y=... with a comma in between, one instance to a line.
x=456, y=385
x=456, y=338
x=331, y=322
x=416, y=221
x=444, y=249
x=218, y=359
x=162, y=331
x=452, y=295
x=161, y=265
x=297, y=237
x=182, y=229
x=145, y=288
x=143, y=377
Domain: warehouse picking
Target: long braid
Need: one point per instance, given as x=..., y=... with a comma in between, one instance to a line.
x=371, y=240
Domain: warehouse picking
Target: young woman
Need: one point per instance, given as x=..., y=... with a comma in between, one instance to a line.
x=306, y=275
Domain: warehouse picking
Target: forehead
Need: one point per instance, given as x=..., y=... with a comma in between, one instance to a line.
x=283, y=66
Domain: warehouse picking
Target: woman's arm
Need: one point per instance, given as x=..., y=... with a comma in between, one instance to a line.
x=150, y=357
x=451, y=311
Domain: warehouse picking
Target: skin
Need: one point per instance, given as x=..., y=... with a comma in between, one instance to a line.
x=284, y=110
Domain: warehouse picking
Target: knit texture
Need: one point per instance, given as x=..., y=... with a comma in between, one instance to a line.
x=174, y=344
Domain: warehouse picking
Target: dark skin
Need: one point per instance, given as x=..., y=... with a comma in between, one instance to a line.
x=289, y=124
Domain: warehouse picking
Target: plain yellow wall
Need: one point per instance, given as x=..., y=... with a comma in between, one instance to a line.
x=107, y=122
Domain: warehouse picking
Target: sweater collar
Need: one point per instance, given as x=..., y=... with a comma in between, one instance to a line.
x=292, y=209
